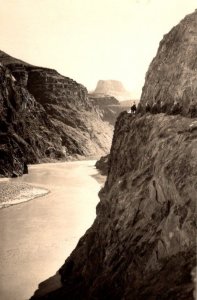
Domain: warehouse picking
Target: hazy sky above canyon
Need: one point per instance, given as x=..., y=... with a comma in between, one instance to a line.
x=89, y=40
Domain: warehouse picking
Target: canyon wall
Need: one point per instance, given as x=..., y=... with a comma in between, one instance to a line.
x=172, y=73
x=142, y=245
x=108, y=107
x=45, y=116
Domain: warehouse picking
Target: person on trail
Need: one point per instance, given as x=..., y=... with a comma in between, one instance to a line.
x=133, y=108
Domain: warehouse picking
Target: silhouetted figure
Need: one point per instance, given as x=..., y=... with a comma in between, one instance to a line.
x=176, y=108
x=193, y=109
x=133, y=108
x=147, y=107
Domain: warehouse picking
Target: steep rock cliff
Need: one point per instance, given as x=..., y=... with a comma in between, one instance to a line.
x=172, y=73
x=48, y=114
x=25, y=130
x=142, y=245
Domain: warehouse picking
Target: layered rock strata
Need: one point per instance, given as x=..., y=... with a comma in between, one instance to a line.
x=108, y=107
x=44, y=116
x=142, y=245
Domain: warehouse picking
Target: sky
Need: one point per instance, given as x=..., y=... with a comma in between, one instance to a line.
x=89, y=40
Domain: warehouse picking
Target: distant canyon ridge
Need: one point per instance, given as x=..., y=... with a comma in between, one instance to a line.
x=46, y=116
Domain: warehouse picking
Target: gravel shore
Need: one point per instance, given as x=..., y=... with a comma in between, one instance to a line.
x=14, y=193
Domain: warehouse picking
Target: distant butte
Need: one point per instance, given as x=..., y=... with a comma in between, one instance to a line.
x=113, y=88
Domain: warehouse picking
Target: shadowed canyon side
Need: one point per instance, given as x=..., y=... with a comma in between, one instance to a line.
x=142, y=244
x=44, y=116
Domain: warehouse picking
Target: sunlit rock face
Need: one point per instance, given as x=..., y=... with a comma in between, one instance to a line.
x=172, y=73
x=142, y=245
x=47, y=115
x=113, y=88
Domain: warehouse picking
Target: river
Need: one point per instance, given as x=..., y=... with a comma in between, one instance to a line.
x=38, y=235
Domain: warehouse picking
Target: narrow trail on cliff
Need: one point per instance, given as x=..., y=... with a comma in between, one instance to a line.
x=38, y=235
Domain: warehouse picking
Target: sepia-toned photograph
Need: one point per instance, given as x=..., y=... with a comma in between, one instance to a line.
x=98, y=150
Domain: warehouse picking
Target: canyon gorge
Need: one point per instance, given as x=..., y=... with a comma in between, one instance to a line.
x=142, y=244
x=46, y=116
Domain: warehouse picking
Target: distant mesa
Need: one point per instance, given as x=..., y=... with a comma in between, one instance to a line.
x=111, y=98
x=113, y=88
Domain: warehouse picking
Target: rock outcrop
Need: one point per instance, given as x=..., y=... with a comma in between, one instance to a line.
x=112, y=88
x=108, y=107
x=103, y=164
x=45, y=115
x=103, y=100
x=142, y=245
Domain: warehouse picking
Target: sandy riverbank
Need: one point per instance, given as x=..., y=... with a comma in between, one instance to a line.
x=12, y=193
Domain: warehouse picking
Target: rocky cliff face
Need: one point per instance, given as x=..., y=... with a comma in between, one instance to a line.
x=46, y=116
x=103, y=164
x=172, y=73
x=113, y=88
x=142, y=245
x=25, y=129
